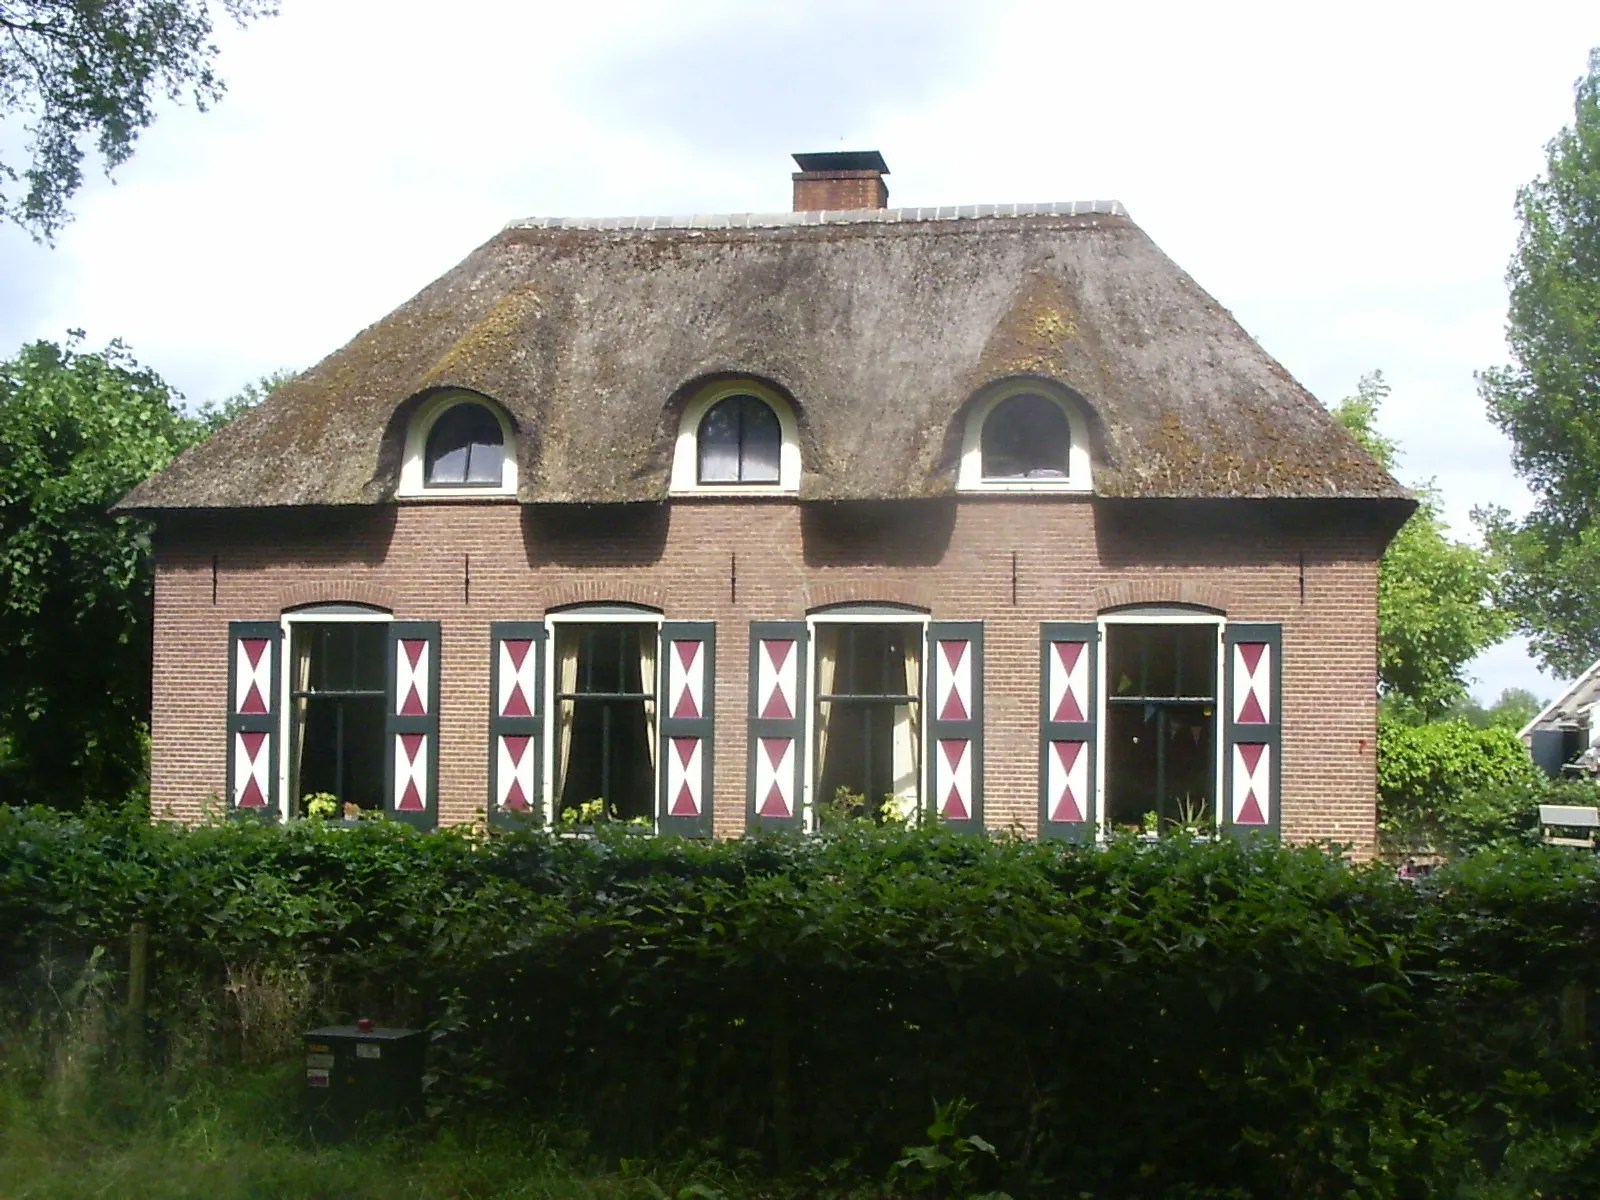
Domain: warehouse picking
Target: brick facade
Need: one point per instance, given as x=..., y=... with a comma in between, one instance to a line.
x=1012, y=562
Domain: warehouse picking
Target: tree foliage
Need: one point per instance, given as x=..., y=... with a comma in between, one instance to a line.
x=1547, y=400
x=77, y=71
x=1435, y=608
x=77, y=431
x=1514, y=709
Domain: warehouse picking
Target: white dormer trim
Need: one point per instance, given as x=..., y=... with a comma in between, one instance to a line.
x=413, y=480
x=1080, y=474
x=686, y=451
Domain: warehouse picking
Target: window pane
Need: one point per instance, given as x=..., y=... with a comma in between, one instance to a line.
x=719, y=443
x=1026, y=437
x=1162, y=661
x=762, y=442
x=339, y=656
x=459, y=446
x=485, y=463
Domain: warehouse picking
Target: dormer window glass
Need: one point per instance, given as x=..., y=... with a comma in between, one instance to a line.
x=466, y=448
x=1026, y=437
x=740, y=441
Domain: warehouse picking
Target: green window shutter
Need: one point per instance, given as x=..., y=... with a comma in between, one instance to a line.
x=255, y=675
x=1252, y=727
x=955, y=729
x=775, y=765
x=411, y=764
x=1069, y=743
x=686, y=698
x=516, y=722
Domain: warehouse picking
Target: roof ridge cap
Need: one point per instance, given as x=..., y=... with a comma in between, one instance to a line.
x=862, y=216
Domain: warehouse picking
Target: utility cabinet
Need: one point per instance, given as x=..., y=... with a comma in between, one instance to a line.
x=362, y=1076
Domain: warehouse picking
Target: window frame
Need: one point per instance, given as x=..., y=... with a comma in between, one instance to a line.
x=413, y=468
x=864, y=614
x=595, y=614
x=1080, y=471
x=314, y=614
x=1156, y=615
x=685, y=479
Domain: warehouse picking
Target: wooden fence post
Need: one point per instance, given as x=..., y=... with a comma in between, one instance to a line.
x=138, y=991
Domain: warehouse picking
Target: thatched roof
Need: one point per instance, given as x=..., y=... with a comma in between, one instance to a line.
x=882, y=325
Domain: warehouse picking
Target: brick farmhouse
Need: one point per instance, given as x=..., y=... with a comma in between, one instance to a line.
x=988, y=514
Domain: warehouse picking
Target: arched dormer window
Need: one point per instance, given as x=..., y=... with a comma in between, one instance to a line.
x=736, y=437
x=466, y=448
x=458, y=444
x=1024, y=436
x=739, y=441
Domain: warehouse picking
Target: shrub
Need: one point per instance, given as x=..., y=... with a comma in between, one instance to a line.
x=1177, y=1019
x=1449, y=785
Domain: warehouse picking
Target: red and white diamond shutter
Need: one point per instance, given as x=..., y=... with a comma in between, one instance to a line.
x=254, y=675
x=1252, y=726
x=1069, y=744
x=955, y=728
x=516, y=721
x=776, y=757
x=688, y=673
x=411, y=766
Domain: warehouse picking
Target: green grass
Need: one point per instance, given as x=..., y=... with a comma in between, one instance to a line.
x=231, y=1136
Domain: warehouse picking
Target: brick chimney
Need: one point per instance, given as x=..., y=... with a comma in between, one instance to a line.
x=842, y=181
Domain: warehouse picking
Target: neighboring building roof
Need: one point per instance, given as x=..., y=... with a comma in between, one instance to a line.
x=1570, y=709
x=881, y=324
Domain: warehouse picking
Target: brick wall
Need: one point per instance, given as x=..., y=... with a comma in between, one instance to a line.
x=1012, y=562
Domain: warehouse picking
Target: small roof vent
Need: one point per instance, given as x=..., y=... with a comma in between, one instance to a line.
x=840, y=181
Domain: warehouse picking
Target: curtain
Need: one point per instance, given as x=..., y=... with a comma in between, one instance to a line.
x=567, y=643
x=907, y=730
x=647, y=684
x=300, y=644
x=827, y=663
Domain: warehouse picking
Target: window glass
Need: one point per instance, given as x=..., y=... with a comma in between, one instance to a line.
x=337, y=690
x=1161, y=716
x=739, y=441
x=465, y=448
x=869, y=724
x=605, y=720
x=1026, y=437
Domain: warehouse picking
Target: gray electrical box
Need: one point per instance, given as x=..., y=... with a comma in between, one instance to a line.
x=362, y=1077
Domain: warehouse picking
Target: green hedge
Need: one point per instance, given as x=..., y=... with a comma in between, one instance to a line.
x=1170, y=1020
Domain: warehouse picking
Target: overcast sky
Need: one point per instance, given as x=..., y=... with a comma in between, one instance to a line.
x=1340, y=177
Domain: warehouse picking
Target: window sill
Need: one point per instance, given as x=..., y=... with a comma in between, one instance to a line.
x=1039, y=486
x=433, y=495
x=739, y=490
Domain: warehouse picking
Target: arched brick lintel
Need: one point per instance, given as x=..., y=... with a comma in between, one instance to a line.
x=822, y=595
x=603, y=591
x=338, y=592
x=1160, y=591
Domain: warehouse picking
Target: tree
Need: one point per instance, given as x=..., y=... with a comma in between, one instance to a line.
x=1435, y=611
x=76, y=70
x=1548, y=399
x=77, y=430
x=1514, y=709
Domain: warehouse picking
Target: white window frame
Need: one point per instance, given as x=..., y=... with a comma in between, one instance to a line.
x=317, y=614
x=1080, y=472
x=1103, y=703
x=686, y=452
x=860, y=615
x=413, y=467
x=596, y=614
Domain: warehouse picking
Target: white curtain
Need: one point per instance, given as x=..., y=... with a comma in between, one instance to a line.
x=907, y=730
x=827, y=663
x=300, y=647
x=647, y=684
x=567, y=643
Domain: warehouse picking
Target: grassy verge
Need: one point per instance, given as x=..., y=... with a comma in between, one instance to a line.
x=231, y=1136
